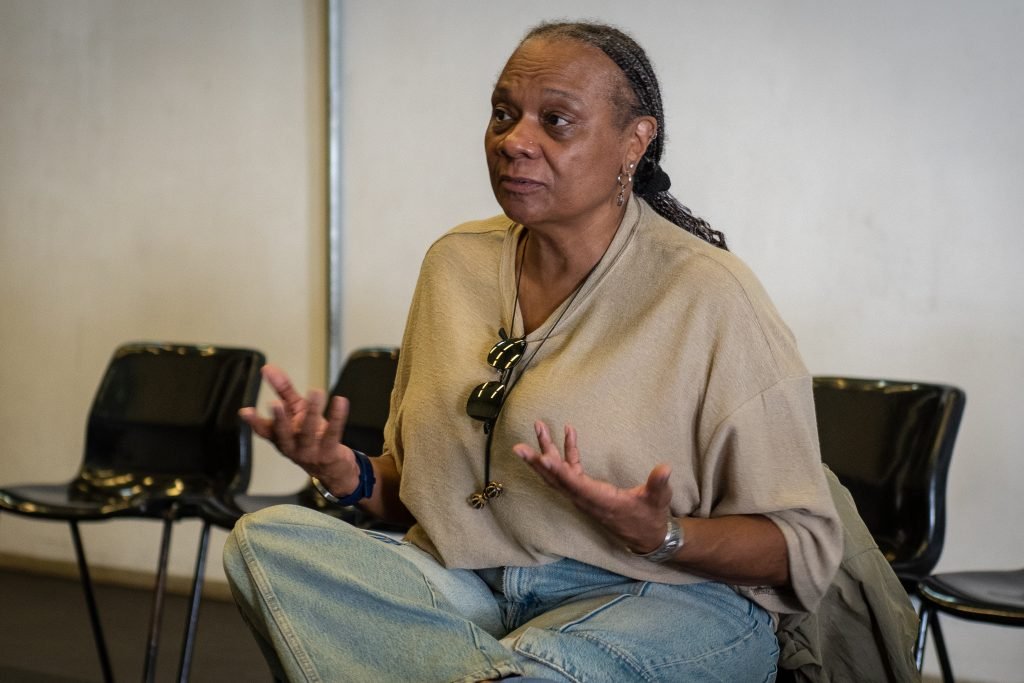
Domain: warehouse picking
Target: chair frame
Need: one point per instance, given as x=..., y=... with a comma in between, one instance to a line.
x=101, y=494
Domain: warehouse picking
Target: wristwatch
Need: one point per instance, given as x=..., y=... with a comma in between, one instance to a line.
x=367, y=480
x=673, y=541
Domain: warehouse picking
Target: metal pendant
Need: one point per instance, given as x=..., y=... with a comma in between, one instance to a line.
x=479, y=500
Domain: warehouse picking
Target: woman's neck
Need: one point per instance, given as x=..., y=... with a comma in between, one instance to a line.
x=555, y=261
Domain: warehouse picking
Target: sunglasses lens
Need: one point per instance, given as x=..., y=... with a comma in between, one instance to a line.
x=485, y=400
x=506, y=353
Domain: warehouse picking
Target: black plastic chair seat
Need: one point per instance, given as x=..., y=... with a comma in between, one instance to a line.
x=991, y=596
x=82, y=500
x=56, y=501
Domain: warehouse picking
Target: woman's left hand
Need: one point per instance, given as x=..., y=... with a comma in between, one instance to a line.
x=635, y=515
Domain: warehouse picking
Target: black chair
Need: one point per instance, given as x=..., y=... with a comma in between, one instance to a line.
x=163, y=434
x=994, y=597
x=366, y=380
x=890, y=443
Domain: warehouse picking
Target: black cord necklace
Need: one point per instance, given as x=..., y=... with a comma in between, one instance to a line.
x=492, y=489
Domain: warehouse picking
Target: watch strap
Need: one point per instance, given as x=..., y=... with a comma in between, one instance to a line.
x=367, y=480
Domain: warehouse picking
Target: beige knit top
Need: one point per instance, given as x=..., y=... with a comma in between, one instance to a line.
x=670, y=352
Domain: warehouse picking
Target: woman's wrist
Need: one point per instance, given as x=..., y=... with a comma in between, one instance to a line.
x=671, y=542
x=340, y=477
x=346, y=489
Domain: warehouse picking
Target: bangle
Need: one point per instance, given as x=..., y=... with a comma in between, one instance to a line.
x=673, y=541
x=367, y=480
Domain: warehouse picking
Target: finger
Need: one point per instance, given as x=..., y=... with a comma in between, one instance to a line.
x=531, y=456
x=525, y=453
x=538, y=463
x=262, y=427
x=283, y=387
x=547, y=446
x=310, y=428
x=250, y=416
x=550, y=457
x=657, y=487
x=543, y=438
x=337, y=416
x=281, y=431
x=572, y=451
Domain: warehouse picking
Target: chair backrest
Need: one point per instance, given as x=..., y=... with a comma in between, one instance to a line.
x=890, y=444
x=366, y=381
x=165, y=420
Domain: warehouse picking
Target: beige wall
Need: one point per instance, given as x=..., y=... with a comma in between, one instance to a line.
x=162, y=176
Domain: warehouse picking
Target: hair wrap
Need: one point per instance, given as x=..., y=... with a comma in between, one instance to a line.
x=651, y=179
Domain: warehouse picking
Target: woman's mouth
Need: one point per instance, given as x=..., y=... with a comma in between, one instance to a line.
x=519, y=184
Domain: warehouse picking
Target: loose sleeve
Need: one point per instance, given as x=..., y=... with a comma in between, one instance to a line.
x=764, y=459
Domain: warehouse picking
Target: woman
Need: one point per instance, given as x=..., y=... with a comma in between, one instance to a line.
x=682, y=504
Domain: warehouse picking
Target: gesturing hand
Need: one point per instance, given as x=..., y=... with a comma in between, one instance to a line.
x=636, y=515
x=297, y=428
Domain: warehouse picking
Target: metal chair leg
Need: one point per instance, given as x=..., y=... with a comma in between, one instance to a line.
x=90, y=601
x=940, y=649
x=924, y=616
x=156, y=614
x=192, y=620
x=929, y=616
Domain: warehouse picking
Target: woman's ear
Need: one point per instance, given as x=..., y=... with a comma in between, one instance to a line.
x=644, y=130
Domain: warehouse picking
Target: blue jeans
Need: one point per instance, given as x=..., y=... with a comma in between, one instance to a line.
x=329, y=602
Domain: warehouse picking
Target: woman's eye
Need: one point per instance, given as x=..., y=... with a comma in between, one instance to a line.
x=555, y=120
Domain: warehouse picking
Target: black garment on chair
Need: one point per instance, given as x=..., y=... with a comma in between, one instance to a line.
x=890, y=444
x=163, y=434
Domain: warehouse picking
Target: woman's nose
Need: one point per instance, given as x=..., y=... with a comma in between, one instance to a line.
x=520, y=140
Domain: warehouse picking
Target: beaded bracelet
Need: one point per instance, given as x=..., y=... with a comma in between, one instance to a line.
x=367, y=480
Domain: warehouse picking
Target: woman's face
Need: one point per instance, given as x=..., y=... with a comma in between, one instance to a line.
x=554, y=143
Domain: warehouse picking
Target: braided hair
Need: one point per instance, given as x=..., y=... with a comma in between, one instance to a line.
x=643, y=99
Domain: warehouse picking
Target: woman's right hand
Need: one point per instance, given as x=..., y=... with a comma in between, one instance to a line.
x=299, y=431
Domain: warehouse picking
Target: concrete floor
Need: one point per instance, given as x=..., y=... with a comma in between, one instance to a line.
x=45, y=635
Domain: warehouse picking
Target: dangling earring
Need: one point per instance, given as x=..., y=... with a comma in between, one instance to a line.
x=622, y=185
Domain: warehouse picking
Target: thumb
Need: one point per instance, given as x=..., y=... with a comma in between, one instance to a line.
x=657, y=484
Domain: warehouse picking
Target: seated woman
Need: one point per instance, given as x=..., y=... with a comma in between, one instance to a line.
x=636, y=491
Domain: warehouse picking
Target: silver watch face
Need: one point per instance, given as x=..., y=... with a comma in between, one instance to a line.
x=322, y=490
x=673, y=542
